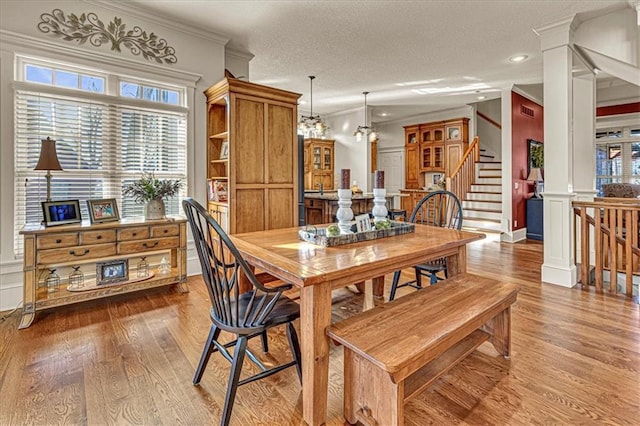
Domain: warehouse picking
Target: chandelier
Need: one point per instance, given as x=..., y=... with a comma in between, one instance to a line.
x=364, y=130
x=312, y=125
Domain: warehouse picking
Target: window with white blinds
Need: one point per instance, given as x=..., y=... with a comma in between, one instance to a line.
x=102, y=145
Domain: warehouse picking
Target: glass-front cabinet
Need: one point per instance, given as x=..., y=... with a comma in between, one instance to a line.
x=319, y=159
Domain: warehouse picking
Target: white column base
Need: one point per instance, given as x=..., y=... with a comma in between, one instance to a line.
x=559, y=276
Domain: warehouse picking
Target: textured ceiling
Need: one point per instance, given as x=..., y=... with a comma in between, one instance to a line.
x=393, y=49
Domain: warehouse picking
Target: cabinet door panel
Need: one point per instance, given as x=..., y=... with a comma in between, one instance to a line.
x=412, y=166
x=280, y=144
x=249, y=211
x=249, y=141
x=280, y=209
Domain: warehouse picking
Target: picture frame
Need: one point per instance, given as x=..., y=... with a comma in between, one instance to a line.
x=61, y=212
x=453, y=133
x=103, y=210
x=363, y=222
x=436, y=178
x=112, y=271
x=224, y=150
x=211, y=190
x=220, y=190
x=535, y=155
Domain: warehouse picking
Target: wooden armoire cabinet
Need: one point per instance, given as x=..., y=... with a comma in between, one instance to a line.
x=435, y=147
x=252, y=156
x=318, y=163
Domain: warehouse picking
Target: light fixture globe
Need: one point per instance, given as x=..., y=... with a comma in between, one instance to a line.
x=312, y=125
x=365, y=130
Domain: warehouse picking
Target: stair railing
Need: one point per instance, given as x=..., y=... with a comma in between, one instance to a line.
x=608, y=240
x=463, y=176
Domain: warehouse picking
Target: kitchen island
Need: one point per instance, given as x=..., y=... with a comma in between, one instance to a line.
x=322, y=207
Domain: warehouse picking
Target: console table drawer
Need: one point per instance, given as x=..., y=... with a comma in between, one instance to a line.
x=96, y=237
x=165, y=231
x=75, y=253
x=58, y=240
x=137, y=233
x=148, y=245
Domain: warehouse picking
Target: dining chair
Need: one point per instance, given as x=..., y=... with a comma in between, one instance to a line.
x=246, y=315
x=438, y=208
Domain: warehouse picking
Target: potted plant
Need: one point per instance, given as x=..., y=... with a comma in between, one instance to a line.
x=152, y=191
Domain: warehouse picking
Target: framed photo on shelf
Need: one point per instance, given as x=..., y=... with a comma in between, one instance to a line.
x=105, y=210
x=224, y=150
x=220, y=189
x=211, y=191
x=436, y=178
x=61, y=212
x=363, y=222
x=112, y=271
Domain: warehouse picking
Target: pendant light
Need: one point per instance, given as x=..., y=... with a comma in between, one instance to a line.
x=365, y=130
x=312, y=125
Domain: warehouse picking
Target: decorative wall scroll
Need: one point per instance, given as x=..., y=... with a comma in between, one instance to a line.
x=87, y=27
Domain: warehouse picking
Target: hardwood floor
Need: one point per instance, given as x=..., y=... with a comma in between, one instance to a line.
x=130, y=360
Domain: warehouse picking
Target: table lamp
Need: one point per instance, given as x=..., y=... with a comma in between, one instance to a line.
x=48, y=161
x=535, y=176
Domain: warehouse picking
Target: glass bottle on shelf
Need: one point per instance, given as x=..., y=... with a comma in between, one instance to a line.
x=76, y=278
x=164, y=268
x=52, y=281
x=143, y=267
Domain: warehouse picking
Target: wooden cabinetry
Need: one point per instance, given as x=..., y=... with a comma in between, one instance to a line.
x=456, y=143
x=257, y=171
x=61, y=248
x=412, y=157
x=434, y=147
x=410, y=199
x=319, y=159
x=431, y=148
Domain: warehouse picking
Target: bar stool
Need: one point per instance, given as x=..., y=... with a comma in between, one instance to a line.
x=397, y=213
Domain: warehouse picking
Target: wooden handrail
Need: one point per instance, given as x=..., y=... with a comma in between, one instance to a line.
x=495, y=123
x=608, y=232
x=463, y=175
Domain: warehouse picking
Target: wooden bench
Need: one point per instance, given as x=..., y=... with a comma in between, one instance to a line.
x=396, y=350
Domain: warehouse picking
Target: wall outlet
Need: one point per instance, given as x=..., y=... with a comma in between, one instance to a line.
x=515, y=222
x=516, y=185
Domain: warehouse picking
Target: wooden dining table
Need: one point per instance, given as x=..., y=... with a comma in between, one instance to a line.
x=316, y=270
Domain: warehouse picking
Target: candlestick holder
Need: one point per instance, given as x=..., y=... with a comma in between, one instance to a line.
x=379, y=210
x=344, y=213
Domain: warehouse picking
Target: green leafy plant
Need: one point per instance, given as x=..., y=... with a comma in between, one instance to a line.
x=148, y=188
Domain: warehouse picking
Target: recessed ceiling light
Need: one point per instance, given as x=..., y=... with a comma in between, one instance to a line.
x=481, y=97
x=518, y=58
x=383, y=114
x=302, y=102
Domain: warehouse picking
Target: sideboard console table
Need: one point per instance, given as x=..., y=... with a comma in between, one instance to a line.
x=85, y=246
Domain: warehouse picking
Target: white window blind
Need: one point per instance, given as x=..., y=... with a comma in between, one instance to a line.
x=102, y=146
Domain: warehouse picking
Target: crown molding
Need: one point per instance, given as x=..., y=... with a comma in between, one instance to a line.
x=131, y=9
x=526, y=95
x=66, y=53
x=239, y=54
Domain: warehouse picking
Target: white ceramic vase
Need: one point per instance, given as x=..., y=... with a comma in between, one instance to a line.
x=154, y=209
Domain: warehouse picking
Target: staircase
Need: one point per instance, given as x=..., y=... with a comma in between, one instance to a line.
x=482, y=205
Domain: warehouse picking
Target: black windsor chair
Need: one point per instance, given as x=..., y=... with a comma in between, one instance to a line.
x=246, y=315
x=438, y=208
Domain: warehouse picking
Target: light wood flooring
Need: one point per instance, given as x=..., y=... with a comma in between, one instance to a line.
x=130, y=360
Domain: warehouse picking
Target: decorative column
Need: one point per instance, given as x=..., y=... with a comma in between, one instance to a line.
x=344, y=213
x=379, y=201
x=559, y=262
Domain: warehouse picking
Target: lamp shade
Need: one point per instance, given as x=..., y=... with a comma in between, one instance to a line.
x=48, y=156
x=535, y=175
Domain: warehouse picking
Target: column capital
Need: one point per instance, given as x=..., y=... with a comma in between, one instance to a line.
x=556, y=34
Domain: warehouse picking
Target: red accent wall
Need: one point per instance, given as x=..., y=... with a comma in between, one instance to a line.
x=618, y=109
x=524, y=125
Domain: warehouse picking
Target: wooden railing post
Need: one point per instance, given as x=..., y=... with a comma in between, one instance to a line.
x=615, y=230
